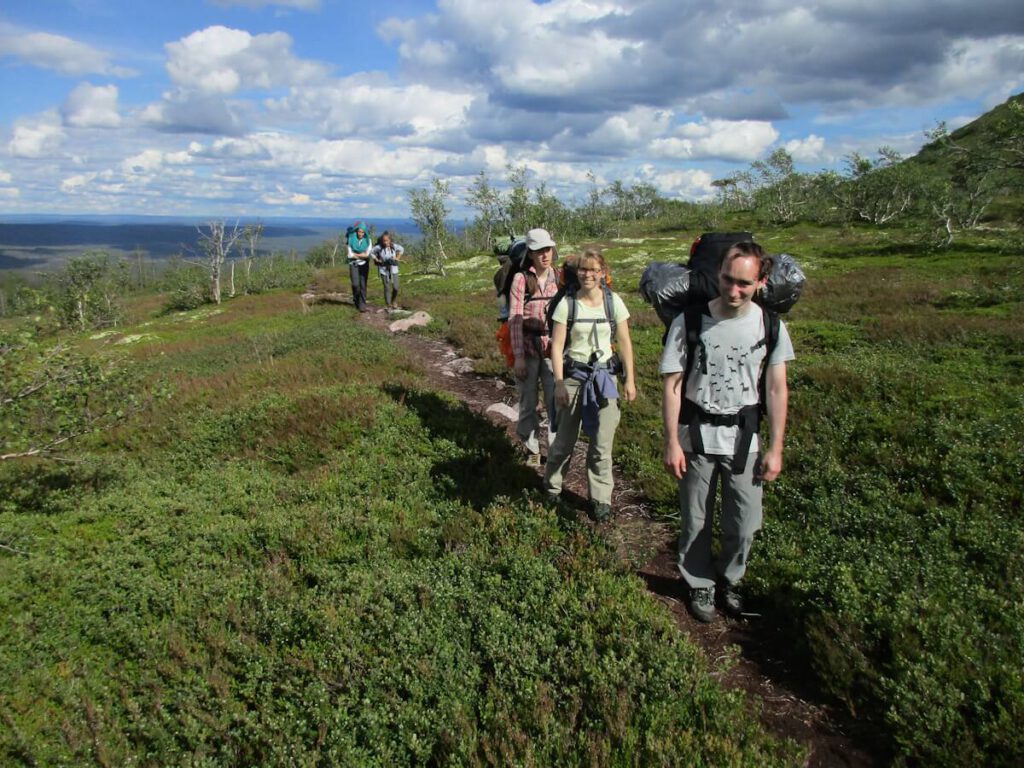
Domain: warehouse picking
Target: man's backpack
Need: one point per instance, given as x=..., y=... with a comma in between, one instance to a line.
x=670, y=288
x=706, y=256
x=694, y=319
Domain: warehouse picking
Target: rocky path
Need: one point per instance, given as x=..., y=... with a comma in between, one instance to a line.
x=790, y=705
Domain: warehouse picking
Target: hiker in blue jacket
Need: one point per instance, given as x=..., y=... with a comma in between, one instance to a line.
x=359, y=243
x=716, y=377
x=585, y=366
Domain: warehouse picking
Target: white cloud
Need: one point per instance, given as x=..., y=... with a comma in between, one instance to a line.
x=5, y=177
x=220, y=61
x=90, y=106
x=38, y=136
x=183, y=112
x=808, y=150
x=375, y=106
x=151, y=160
x=630, y=129
x=10, y=193
x=740, y=140
x=57, y=53
x=684, y=184
x=73, y=184
x=282, y=196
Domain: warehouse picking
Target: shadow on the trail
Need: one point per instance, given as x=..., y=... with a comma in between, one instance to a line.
x=767, y=644
x=475, y=462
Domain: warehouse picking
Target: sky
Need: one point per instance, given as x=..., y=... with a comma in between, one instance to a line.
x=327, y=108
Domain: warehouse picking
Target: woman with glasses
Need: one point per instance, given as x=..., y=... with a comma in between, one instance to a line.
x=587, y=325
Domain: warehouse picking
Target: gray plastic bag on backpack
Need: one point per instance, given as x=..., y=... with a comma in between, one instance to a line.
x=666, y=287
x=785, y=284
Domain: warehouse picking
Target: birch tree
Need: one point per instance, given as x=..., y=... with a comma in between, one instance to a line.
x=430, y=212
x=217, y=243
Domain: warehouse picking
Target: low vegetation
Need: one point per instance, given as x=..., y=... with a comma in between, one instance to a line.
x=282, y=548
x=304, y=557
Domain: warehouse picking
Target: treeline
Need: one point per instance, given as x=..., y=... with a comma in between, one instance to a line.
x=959, y=182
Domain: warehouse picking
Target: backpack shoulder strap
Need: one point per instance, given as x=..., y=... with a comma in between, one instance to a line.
x=694, y=319
x=772, y=323
x=609, y=310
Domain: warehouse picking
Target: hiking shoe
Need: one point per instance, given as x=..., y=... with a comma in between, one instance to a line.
x=732, y=600
x=533, y=460
x=600, y=511
x=702, y=604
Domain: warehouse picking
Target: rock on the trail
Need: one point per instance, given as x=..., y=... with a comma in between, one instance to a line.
x=418, y=318
x=460, y=365
x=506, y=411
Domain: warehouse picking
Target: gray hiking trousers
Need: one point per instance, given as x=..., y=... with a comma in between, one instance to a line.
x=741, y=518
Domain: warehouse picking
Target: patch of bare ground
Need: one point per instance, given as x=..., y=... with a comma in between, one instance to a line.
x=741, y=650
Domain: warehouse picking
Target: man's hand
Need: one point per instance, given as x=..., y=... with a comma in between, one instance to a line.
x=629, y=390
x=675, y=460
x=771, y=465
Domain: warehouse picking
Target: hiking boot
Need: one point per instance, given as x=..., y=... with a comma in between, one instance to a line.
x=600, y=511
x=732, y=600
x=533, y=460
x=702, y=604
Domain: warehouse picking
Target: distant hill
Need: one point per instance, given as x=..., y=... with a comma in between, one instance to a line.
x=35, y=240
x=996, y=138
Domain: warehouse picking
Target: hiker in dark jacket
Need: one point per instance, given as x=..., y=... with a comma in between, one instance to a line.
x=585, y=369
x=358, y=242
x=710, y=421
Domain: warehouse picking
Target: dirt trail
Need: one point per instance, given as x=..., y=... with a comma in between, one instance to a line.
x=790, y=705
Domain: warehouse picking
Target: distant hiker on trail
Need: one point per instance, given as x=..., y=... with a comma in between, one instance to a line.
x=723, y=363
x=586, y=323
x=386, y=255
x=531, y=291
x=359, y=243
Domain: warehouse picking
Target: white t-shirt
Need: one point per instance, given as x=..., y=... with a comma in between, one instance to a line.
x=585, y=338
x=734, y=360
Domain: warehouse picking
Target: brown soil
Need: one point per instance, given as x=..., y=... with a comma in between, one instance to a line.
x=740, y=650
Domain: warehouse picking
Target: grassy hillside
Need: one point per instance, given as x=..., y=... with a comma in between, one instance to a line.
x=307, y=557
x=989, y=148
x=303, y=557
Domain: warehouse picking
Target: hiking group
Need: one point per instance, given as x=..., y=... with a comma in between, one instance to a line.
x=386, y=256
x=565, y=334
x=567, y=339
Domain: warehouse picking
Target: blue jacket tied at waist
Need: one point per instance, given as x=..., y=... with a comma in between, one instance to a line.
x=597, y=388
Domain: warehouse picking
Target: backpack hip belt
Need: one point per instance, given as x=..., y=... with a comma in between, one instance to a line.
x=748, y=419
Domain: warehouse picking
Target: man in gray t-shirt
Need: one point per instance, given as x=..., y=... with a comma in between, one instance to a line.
x=710, y=427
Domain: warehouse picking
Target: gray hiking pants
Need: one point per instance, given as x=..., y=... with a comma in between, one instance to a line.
x=539, y=377
x=741, y=518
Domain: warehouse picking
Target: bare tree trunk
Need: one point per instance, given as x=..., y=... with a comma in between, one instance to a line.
x=231, y=292
x=218, y=244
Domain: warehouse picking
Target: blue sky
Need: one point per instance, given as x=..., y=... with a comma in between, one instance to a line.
x=339, y=107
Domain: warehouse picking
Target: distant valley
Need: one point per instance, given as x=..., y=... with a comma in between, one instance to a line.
x=38, y=242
